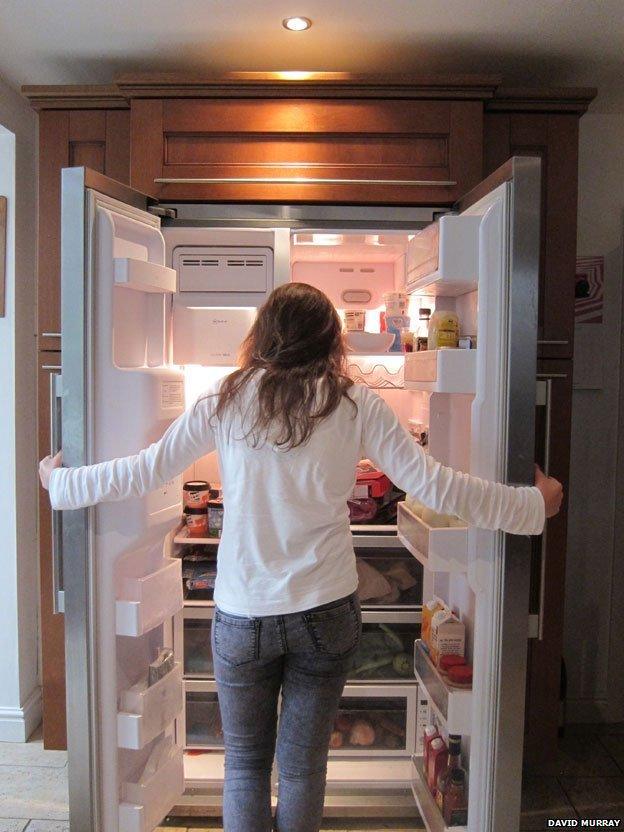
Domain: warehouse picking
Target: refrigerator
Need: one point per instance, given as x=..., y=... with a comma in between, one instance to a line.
x=155, y=300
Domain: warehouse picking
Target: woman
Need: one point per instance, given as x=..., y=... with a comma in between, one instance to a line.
x=289, y=427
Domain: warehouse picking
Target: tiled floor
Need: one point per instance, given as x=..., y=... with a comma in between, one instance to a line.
x=587, y=781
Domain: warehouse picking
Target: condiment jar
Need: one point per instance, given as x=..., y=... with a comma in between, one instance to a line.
x=215, y=518
x=443, y=330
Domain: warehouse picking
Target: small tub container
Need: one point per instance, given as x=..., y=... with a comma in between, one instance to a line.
x=196, y=494
x=197, y=522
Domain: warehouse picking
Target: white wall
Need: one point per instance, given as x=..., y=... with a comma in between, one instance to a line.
x=594, y=621
x=20, y=697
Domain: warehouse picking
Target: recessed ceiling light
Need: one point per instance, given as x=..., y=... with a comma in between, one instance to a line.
x=296, y=24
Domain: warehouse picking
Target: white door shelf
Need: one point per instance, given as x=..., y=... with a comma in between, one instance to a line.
x=443, y=258
x=143, y=276
x=148, y=712
x=145, y=804
x=453, y=706
x=184, y=538
x=441, y=371
x=150, y=600
x=440, y=550
x=427, y=806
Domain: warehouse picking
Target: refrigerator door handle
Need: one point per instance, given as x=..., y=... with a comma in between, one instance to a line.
x=544, y=399
x=58, y=596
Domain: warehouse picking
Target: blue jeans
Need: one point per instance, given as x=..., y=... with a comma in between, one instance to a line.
x=307, y=656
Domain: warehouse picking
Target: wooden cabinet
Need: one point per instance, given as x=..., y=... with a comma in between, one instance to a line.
x=99, y=139
x=553, y=425
x=554, y=138
x=306, y=150
x=52, y=628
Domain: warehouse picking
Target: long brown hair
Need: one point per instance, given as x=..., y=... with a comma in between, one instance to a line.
x=297, y=340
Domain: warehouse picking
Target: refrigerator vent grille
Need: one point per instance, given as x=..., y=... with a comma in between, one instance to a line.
x=223, y=270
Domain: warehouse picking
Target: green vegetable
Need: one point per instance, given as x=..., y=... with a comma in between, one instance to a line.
x=375, y=664
x=402, y=664
x=392, y=638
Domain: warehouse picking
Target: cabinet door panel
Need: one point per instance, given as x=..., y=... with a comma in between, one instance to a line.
x=365, y=151
x=97, y=139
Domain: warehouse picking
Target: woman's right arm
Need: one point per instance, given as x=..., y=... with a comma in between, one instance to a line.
x=187, y=439
x=487, y=505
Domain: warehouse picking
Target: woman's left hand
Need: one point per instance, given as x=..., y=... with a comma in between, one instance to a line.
x=47, y=465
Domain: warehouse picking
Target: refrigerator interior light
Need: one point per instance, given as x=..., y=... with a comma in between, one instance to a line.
x=197, y=379
x=296, y=24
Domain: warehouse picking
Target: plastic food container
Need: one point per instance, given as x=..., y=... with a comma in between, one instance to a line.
x=396, y=303
x=215, y=518
x=355, y=320
x=197, y=522
x=196, y=493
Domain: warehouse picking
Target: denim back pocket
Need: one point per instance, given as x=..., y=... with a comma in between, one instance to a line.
x=236, y=639
x=336, y=630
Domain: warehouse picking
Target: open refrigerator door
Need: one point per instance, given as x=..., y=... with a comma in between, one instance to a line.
x=121, y=591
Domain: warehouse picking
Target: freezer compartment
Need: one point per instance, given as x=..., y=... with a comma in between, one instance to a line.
x=452, y=706
x=197, y=649
x=147, y=800
x=202, y=717
x=389, y=578
x=387, y=646
x=149, y=600
x=441, y=371
x=438, y=549
x=377, y=720
x=425, y=801
x=146, y=712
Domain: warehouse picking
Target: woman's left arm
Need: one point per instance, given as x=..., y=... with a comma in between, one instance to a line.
x=187, y=439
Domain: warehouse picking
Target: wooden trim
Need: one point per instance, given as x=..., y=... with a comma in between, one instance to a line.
x=542, y=99
x=75, y=96
x=313, y=85
x=3, y=233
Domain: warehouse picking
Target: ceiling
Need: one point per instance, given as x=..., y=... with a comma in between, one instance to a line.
x=529, y=42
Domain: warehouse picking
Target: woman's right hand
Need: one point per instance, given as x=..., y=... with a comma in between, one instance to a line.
x=552, y=491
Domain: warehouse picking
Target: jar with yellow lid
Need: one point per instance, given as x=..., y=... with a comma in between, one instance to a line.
x=443, y=330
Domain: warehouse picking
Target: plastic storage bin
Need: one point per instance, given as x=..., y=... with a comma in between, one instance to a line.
x=203, y=727
x=385, y=653
x=147, y=712
x=453, y=706
x=198, y=659
x=440, y=550
x=389, y=578
x=146, y=803
x=370, y=721
x=148, y=601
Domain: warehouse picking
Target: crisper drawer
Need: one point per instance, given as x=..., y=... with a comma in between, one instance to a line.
x=386, y=651
x=377, y=720
x=389, y=577
x=201, y=725
x=196, y=648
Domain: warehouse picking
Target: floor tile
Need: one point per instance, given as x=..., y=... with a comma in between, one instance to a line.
x=12, y=825
x=34, y=792
x=49, y=826
x=579, y=756
x=543, y=799
x=30, y=753
x=614, y=743
x=596, y=797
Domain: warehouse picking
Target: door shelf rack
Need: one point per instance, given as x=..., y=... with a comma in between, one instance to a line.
x=453, y=706
x=438, y=549
x=429, y=810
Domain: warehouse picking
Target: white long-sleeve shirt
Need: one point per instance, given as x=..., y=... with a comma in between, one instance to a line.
x=286, y=545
